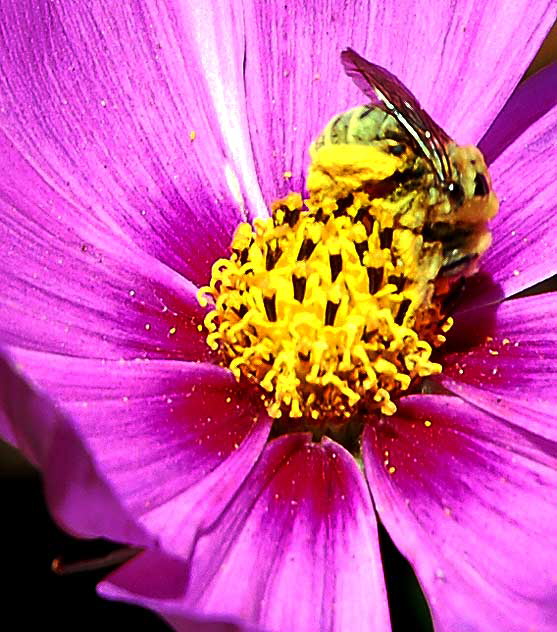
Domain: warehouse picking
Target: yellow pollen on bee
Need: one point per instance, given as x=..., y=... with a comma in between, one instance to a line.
x=328, y=306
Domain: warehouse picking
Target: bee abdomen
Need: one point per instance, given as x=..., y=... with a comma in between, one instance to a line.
x=361, y=125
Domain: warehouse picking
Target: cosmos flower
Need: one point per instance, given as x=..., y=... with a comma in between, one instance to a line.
x=134, y=138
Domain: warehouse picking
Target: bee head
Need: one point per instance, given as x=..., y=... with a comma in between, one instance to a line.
x=469, y=202
x=470, y=191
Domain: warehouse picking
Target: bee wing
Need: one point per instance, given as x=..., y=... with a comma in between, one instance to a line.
x=383, y=87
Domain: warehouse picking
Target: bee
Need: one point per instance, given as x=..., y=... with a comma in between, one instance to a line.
x=392, y=150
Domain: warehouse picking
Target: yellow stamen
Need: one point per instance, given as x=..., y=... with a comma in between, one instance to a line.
x=329, y=306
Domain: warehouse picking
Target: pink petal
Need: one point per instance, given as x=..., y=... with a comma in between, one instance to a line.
x=101, y=104
x=174, y=439
x=218, y=34
x=524, y=250
x=163, y=579
x=472, y=504
x=70, y=287
x=78, y=493
x=296, y=550
x=509, y=364
x=529, y=102
x=462, y=63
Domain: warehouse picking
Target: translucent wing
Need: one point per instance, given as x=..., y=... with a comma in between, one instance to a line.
x=380, y=85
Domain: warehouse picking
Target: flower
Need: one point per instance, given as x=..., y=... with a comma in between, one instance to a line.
x=133, y=140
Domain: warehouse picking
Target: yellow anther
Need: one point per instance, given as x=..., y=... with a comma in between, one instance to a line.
x=325, y=305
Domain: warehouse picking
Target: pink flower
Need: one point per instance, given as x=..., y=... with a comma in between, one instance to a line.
x=134, y=137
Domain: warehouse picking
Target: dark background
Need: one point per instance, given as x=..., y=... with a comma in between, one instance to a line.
x=30, y=542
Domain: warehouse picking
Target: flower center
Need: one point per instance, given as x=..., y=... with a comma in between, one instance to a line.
x=332, y=305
